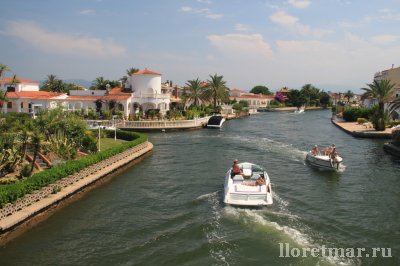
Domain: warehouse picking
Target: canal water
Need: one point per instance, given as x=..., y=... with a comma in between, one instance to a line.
x=168, y=209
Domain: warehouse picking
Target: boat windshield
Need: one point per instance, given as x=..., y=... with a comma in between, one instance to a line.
x=256, y=168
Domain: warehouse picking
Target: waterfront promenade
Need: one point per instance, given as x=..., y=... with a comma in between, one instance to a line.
x=361, y=131
x=29, y=206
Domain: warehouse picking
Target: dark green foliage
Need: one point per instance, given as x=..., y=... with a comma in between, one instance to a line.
x=261, y=90
x=11, y=192
x=351, y=114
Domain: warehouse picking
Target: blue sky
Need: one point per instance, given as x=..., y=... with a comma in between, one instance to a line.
x=333, y=44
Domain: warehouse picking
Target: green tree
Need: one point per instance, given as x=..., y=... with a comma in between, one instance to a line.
x=261, y=90
x=195, y=92
x=324, y=98
x=296, y=98
x=349, y=94
x=3, y=69
x=217, y=90
x=394, y=105
x=310, y=93
x=383, y=91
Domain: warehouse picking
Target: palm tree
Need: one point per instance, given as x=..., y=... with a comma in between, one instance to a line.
x=3, y=98
x=53, y=84
x=99, y=84
x=217, y=90
x=394, y=105
x=14, y=81
x=131, y=70
x=196, y=92
x=36, y=143
x=383, y=92
x=3, y=69
x=349, y=94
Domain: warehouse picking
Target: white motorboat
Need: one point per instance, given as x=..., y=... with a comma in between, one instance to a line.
x=324, y=161
x=253, y=188
x=215, y=121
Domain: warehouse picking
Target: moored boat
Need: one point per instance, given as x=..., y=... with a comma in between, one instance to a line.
x=253, y=188
x=216, y=121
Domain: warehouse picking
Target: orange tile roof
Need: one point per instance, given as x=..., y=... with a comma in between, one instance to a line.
x=252, y=96
x=146, y=72
x=8, y=80
x=33, y=95
x=283, y=90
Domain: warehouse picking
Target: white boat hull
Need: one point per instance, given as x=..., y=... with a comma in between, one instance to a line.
x=245, y=193
x=323, y=161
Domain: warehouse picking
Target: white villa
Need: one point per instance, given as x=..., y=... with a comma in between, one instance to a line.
x=254, y=100
x=145, y=94
x=146, y=88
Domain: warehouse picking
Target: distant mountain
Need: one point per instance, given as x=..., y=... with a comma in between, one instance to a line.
x=80, y=82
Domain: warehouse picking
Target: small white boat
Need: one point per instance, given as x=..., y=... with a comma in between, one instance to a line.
x=216, y=121
x=247, y=189
x=299, y=110
x=324, y=161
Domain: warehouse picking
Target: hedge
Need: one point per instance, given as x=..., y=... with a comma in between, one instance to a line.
x=11, y=192
x=351, y=114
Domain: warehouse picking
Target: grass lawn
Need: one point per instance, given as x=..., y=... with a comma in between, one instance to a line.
x=106, y=143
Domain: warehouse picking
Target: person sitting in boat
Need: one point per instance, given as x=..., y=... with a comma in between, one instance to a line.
x=260, y=181
x=315, y=150
x=236, y=169
x=333, y=148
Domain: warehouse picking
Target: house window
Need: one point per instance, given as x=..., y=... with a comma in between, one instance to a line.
x=22, y=105
x=10, y=89
x=9, y=105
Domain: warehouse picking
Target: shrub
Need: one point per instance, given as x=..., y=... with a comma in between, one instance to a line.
x=361, y=121
x=11, y=192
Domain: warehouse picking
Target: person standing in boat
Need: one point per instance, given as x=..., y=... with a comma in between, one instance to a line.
x=236, y=169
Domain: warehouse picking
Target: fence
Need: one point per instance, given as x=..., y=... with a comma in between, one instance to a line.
x=156, y=124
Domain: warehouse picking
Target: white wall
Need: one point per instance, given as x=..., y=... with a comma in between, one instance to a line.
x=142, y=83
x=87, y=93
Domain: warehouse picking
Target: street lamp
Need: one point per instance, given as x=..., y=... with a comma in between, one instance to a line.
x=115, y=127
x=98, y=124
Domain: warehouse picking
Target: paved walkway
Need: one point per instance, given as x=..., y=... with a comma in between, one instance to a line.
x=88, y=178
x=361, y=131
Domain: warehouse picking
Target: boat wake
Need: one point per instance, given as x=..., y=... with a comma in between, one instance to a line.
x=220, y=248
x=272, y=146
x=266, y=220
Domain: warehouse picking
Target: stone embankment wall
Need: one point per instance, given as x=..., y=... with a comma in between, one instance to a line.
x=11, y=215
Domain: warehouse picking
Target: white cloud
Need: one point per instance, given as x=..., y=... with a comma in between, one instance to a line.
x=59, y=43
x=292, y=23
x=204, y=1
x=300, y=3
x=384, y=39
x=87, y=12
x=389, y=14
x=186, y=9
x=241, y=45
x=202, y=11
x=241, y=27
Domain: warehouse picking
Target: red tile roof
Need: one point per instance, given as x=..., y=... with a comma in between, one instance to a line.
x=252, y=96
x=33, y=95
x=146, y=72
x=8, y=80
